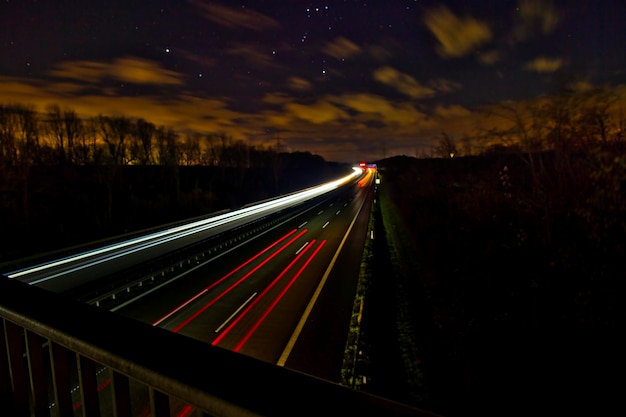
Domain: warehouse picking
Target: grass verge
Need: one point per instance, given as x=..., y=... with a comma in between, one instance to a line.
x=381, y=353
x=350, y=375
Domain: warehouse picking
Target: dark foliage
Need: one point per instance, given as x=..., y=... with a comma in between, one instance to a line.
x=521, y=272
x=46, y=208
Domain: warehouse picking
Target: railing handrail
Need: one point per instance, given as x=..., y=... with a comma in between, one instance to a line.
x=215, y=380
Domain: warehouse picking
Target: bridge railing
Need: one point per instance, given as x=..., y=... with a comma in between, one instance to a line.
x=59, y=357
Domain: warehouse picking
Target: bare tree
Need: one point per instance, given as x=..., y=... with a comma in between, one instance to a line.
x=21, y=133
x=558, y=136
x=141, y=142
x=446, y=147
x=190, y=153
x=167, y=146
x=90, y=150
x=225, y=157
x=65, y=126
x=27, y=134
x=8, y=136
x=115, y=130
x=210, y=152
x=85, y=144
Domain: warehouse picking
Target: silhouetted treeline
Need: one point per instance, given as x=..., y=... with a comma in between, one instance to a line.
x=522, y=297
x=60, y=137
x=65, y=180
x=521, y=253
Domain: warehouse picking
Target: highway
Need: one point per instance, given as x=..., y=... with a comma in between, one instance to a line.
x=284, y=297
x=257, y=300
x=65, y=274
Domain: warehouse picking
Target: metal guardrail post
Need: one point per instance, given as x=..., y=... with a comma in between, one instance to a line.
x=37, y=374
x=17, y=369
x=6, y=391
x=59, y=361
x=121, y=395
x=159, y=404
x=88, y=386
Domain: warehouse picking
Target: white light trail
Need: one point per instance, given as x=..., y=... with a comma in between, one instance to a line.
x=110, y=252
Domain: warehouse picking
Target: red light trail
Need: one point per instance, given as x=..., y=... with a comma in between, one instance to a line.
x=180, y=307
x=267, y=289
x=251, y=331
x=239, y=281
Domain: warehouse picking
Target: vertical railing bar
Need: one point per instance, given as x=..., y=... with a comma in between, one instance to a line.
x=159, y=403
x=121, y=395
x=61, y=380
x=88, y=387
x=17, y=368
x=37, y=373
x=6, y=394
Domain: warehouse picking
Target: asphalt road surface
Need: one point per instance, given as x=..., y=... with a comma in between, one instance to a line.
x=284, y=297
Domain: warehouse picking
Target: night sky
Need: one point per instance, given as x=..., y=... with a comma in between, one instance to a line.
x=349, y=80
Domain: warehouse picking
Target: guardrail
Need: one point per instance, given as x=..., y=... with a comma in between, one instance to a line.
x=60, y=357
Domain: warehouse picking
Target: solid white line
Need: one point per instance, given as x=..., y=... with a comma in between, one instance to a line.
x=303, y=246
x=296, y=333
x=235, y=313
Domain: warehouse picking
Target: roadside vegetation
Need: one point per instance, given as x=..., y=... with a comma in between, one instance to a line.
x=383, y=355
x=354, y=367
x=502, y=271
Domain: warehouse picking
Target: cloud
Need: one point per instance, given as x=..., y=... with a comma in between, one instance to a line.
x=338, y=127
x=128, y=69
x=80, y=70
x=535, y=17
x=457, y=36
x=276, y=98
x=452, y=112
x=65, y=89
x=347, y=115
x=253, y=55
x=489, y=57
x=582, y=86
x=544, y=64
x=180, y=112
x=341, y=48
x=142, y=71
x=379, y=53
x=299, y=84
x=457, y=121
x=242, y=17
x=319, y=112
x=403, y=83
x=23, y=91
x=349, y=127
x=378, y=108
x=445, y=86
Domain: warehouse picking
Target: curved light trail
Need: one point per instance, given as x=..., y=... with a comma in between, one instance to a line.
x=58, y=268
